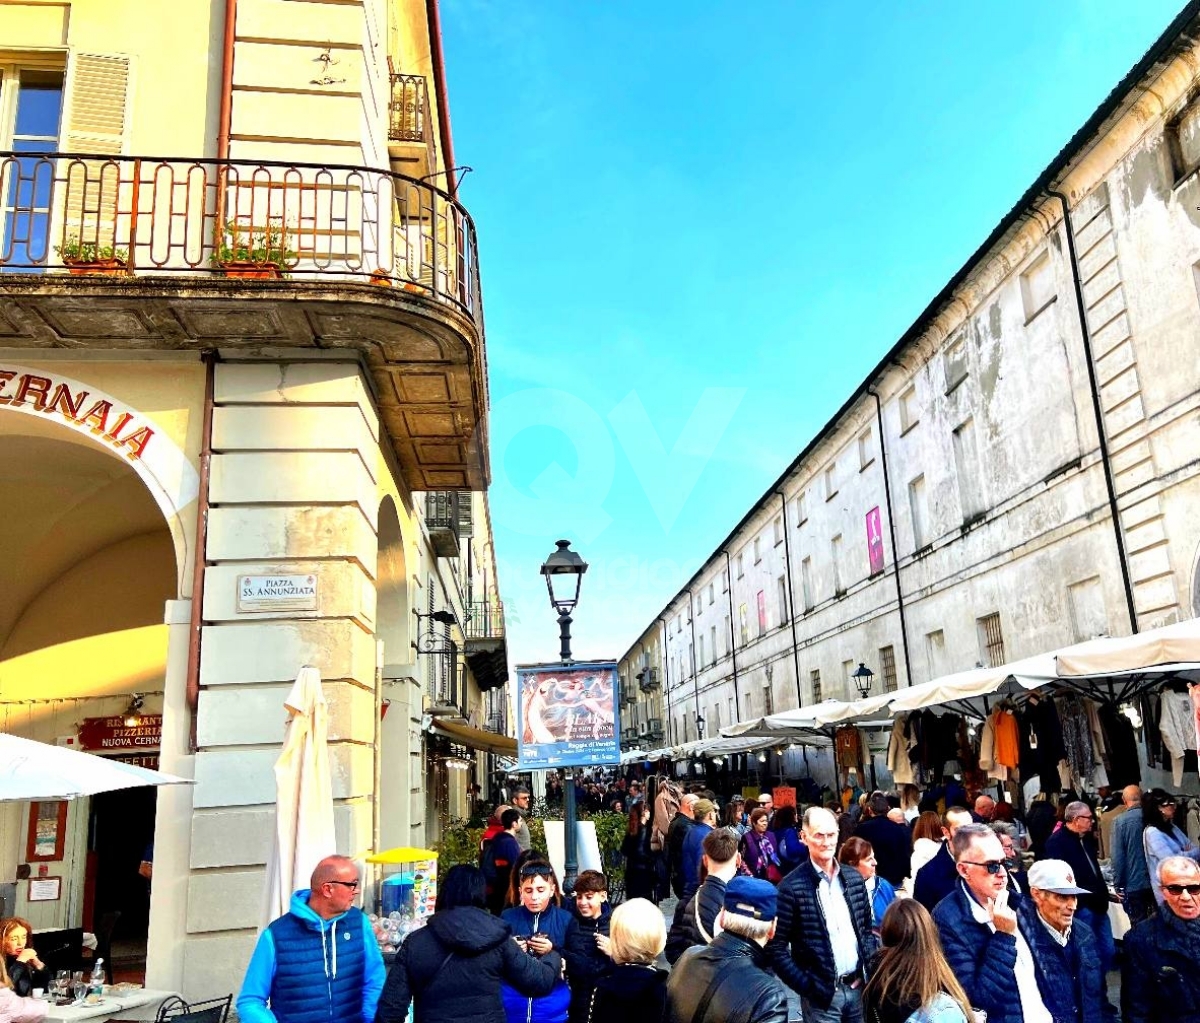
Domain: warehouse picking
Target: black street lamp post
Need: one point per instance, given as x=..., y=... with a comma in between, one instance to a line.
x=564, y=575
x=863, y=677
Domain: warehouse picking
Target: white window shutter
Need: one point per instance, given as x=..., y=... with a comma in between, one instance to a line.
x=96, y=118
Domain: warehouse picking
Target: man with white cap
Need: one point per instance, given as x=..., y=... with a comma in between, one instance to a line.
x=1064, y=948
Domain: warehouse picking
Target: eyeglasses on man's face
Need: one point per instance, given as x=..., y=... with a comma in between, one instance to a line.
x=1178, y=889
x=991, y=866
x=352, y=885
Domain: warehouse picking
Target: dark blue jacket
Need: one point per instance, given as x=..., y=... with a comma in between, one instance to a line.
x=693, y=852
x=451, y=970
x=892, y=845
x=1128, y=852
x=695, y=920
x=937, y=879
x=1160, y=980
x=313, y=970
x=983, y=960
x=585, y=962
x=1080, y=855
x=1069, y=977
x=560, y=927
x=801, y=952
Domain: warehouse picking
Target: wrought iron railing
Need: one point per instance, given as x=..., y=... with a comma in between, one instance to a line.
x=441, y=510
x=484, y=620
x=408, y=110
x=134, y=215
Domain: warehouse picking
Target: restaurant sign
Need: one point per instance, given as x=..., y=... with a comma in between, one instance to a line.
x=112, y=735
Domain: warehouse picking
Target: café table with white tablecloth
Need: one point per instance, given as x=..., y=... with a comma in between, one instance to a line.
x=135, y=1003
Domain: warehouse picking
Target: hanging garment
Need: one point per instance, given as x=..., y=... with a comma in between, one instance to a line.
x=1194, y=693
x=1099, y=778
x=1121, y=742
x=1178, y=729
x=1156, y=755
x=1077, y=740
x=848, y=743
x=1008, y=740
x=987, y=750
x=897, y=755
x=1047, y=733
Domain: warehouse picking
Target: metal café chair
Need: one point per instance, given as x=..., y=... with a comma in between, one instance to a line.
x=210, y=1010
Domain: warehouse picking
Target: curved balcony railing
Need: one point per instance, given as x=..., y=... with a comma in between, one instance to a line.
x=134, y=215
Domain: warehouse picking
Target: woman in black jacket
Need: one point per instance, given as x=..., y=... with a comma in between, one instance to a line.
x=640, y=879
x=634, y=988
x=451, y=969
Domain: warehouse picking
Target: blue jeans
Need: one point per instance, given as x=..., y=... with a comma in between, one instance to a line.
x=846, y=1007
x=1106, y=947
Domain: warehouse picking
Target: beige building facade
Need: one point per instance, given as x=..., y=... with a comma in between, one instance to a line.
x=243, y=428
x=1019, y=472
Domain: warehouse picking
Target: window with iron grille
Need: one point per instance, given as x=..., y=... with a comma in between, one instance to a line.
x=887, y=662
x=991, y=640
x=815, y=676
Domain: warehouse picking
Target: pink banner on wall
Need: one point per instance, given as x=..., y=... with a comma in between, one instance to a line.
x=875, y=540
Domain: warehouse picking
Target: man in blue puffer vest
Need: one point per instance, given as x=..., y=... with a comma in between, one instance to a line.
x=320, y=963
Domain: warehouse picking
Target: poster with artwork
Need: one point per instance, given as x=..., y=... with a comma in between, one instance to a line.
x=875, y=540
x=567, y=715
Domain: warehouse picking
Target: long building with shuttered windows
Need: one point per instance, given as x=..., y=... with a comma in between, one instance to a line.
x=1020, y=471
x=243, y=429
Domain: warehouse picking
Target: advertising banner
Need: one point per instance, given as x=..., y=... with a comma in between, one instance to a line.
x=875, y=540
x=567, y=715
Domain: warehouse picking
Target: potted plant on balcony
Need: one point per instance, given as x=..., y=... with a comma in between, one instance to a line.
x=82, y=257
x=261, y=256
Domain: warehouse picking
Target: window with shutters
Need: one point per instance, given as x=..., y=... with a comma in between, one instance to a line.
x=887, y=664
x=30, y=115
x=815, y=678
x=94, y=123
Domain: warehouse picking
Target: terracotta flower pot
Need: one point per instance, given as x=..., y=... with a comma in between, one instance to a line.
x=102, y=267
x=382, y=278
x=250, y=270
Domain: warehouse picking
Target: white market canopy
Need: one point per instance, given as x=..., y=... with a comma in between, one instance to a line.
x=795, y=723
x=31, y=770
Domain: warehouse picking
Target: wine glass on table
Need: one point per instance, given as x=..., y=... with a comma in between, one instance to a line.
x=79, y=990
x=62, y=985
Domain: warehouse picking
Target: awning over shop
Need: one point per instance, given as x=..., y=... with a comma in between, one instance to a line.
x=476, y=738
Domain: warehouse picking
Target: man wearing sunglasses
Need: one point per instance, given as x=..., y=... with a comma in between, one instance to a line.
x=1075, y=844
x=319, y=962
x=1160, y=980
x=977, y=923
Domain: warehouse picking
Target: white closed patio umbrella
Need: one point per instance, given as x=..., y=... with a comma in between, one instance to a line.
x=32, y=770
x=304, y=795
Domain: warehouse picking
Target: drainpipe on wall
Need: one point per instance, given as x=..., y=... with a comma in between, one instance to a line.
x=787, y=558
x=437, y=57
x=887, y=494
x=225, y=116
x=209, y=359
x=692, y=658
x=1101, y=432
x=666, y=677
x=737, y=702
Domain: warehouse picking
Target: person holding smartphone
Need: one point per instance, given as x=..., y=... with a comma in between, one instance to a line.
x=540, y=926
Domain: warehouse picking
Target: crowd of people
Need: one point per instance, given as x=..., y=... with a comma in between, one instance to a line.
x=880, y=912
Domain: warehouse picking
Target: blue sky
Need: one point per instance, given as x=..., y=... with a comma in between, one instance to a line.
x=701, y=224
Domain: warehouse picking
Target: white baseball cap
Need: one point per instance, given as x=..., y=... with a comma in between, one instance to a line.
x=1055, y=876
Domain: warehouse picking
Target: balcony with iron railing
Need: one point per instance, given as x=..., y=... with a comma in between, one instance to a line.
x=443, y=520
x=485, y=643
x=411, y=138
x=109, y=252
